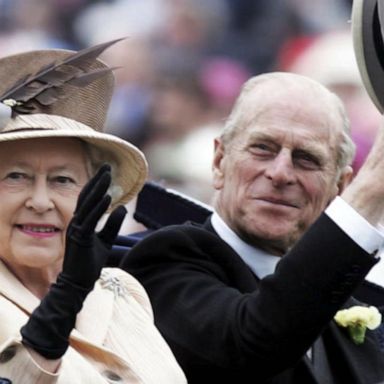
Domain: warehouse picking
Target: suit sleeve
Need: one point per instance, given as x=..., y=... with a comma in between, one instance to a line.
x=208, y=321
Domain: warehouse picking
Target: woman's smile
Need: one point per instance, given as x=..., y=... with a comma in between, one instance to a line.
x=38, y=230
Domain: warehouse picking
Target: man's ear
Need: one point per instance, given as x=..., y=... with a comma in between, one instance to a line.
x=217, y=164
x=345, y=179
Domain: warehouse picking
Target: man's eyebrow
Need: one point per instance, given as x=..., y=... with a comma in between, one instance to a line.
x=308, y=147
x=262, y=136
x=312, y=150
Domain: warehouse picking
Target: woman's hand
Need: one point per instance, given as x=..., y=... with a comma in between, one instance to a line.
x=47, y=330
x=86, y=251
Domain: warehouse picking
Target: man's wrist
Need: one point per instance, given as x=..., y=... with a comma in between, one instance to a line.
x=355, y=226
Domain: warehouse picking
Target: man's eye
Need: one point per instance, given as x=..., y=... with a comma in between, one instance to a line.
x=261, y=148
x=306, y=160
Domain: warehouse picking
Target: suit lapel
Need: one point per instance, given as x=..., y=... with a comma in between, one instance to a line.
x=351, y=363
x=319, y=363
x=335, y=359
x=239, y=272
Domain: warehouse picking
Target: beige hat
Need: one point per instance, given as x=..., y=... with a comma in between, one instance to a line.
x=367, y=26
x=61, y=93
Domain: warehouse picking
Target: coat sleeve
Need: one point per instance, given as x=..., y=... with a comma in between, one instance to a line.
x=129, y=344
x=209, y=322
x=16, y=363
x=133, y=335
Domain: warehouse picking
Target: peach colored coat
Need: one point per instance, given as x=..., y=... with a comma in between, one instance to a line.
x=115, y=340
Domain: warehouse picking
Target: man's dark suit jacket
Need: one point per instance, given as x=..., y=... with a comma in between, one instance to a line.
x=225, y=325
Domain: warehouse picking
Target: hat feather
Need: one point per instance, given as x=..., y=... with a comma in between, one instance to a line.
x=52, y=82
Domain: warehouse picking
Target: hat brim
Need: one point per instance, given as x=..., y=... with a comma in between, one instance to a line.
x=131, y=164
x=369, y=48
x=60, y=103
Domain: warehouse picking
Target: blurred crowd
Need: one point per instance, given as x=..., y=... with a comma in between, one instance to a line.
x=184, y=61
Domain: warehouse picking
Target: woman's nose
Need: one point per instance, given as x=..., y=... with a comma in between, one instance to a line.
x=39, y=198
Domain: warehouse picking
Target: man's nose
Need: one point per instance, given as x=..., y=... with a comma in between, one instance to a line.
x=40, y=199
x=281, y=169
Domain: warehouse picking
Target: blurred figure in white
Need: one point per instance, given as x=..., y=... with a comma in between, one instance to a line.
x=330, y=59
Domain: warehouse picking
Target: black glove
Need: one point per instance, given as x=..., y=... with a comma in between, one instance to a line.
x=47, y=330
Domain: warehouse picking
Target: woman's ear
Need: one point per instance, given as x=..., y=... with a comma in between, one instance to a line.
x=217, y=164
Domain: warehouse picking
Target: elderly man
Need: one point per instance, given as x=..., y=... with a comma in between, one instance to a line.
x=250, y=296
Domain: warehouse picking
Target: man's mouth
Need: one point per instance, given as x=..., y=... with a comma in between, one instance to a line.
x=276, y=201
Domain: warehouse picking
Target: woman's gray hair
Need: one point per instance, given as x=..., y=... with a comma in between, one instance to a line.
x=239, y=117
x=95, y=157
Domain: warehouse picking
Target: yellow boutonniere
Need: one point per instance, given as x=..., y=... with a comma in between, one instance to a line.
x=11, y=102
x=357, y=319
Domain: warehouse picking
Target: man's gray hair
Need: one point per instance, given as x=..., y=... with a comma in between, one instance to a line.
x=238, y=117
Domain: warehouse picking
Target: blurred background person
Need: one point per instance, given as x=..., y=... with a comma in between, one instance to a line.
x=329, y=58
x=185, y=61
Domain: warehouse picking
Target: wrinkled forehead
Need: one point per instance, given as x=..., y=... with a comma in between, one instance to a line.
x=71, y=149
x=300, y=97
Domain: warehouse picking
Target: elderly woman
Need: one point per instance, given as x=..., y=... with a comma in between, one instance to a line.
x=65, y=319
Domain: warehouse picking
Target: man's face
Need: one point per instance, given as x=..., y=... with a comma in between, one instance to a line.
x=279, y=172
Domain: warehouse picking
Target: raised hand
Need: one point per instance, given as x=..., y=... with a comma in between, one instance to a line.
x=86, y=251
x=47, y=330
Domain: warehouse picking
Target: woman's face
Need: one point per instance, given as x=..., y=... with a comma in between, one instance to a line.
x=40, y=180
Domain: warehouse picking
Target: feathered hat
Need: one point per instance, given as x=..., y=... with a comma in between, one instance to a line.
x=368, y=35
x=61, y=93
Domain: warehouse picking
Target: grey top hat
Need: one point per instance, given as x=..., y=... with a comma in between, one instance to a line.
x=368, y=32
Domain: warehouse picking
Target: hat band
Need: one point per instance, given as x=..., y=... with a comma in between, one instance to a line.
x=26, y=130
x=42, y=121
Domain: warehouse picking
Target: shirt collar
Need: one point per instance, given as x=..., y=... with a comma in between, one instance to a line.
x=260, y=262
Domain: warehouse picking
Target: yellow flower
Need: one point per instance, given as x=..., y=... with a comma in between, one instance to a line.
x=357, y=319
x=10, y=102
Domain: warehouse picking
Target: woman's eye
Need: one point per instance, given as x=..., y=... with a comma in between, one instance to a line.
x=16, y=179
x=16, y=176
x=64, y=180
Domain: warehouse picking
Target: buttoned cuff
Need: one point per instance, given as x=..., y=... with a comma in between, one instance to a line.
x=355, y=226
